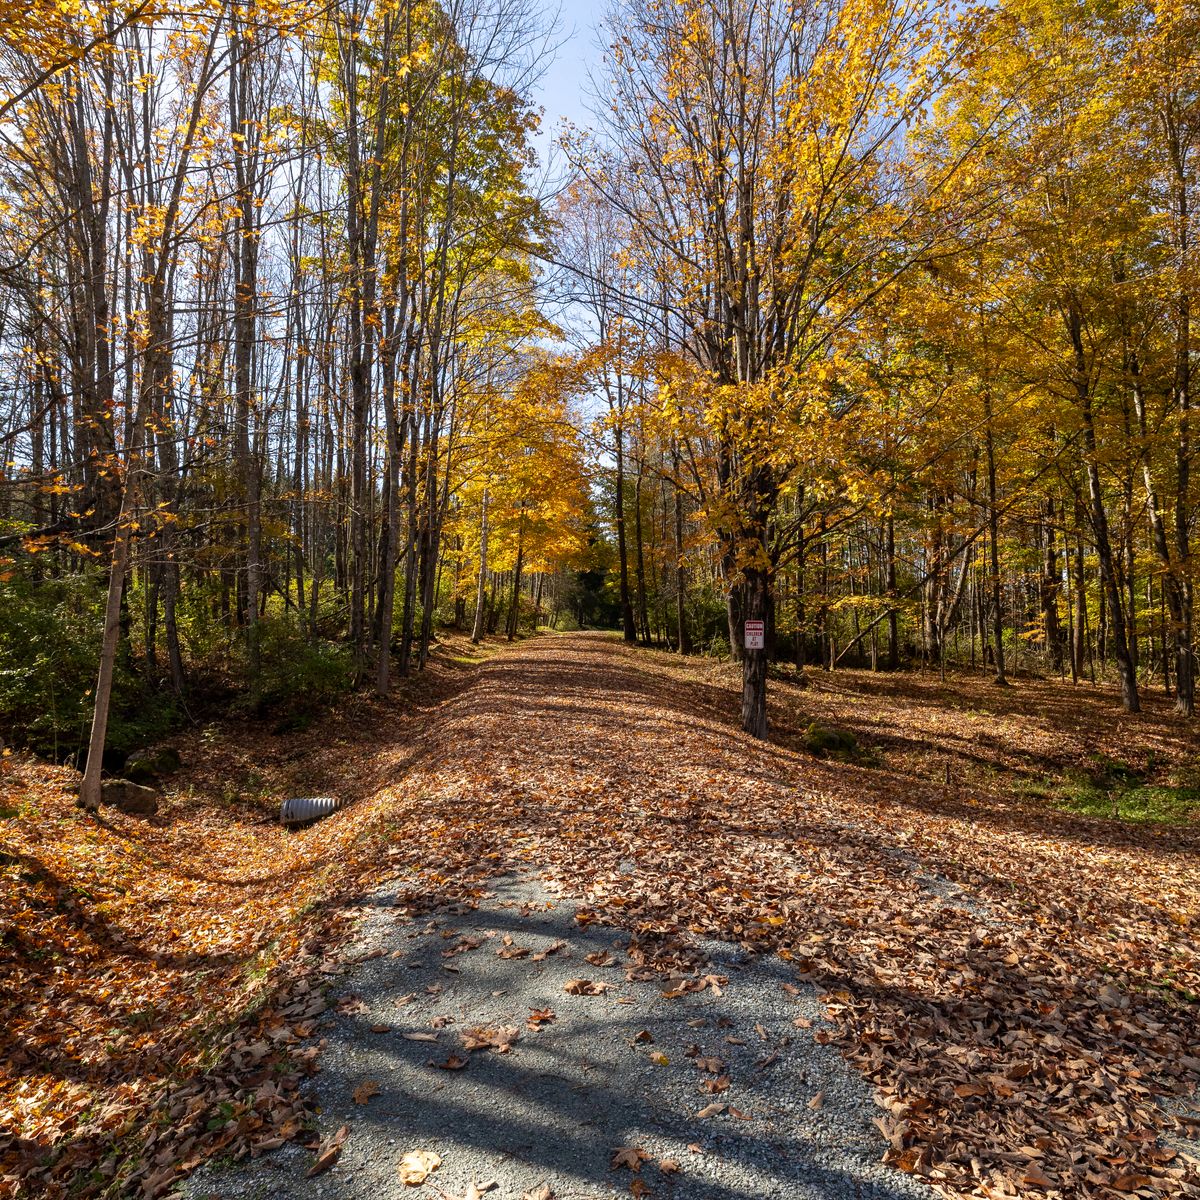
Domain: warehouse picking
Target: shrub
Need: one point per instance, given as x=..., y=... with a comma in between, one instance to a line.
x=49, y=652
x=299, y=677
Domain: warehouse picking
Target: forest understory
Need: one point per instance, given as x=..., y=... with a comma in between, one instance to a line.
x=165, y=979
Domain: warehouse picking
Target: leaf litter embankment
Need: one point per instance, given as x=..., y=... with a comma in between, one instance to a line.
x=1029, y=1021
x=158, y=978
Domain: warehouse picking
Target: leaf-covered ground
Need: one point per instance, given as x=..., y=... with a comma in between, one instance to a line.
x=172, y=967
x=1018, y=982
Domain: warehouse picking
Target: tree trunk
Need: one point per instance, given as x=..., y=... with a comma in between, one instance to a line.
x=755, y=604
x=481, y=586
x=994, y=548
x=1100, y=528
x=683, y=637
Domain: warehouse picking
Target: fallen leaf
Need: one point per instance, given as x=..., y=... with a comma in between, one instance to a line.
x=486, y=1037
x=1035, y=1177
x=365, y=1091
x=328, y=1152
x=585, y=987
x=417, y=1165
x=631, y=1157
x=1131, y=1182
x=539, y=1017
x=476, y=1191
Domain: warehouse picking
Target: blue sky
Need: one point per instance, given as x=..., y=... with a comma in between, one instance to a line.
x=563, y=91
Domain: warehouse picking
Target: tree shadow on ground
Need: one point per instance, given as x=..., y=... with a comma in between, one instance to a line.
x=577, y=1089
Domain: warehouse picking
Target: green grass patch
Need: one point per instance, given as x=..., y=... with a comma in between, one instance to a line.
x=1118, y=791
x=1144, y=803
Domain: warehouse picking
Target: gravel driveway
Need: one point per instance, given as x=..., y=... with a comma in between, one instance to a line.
x=607, y=1087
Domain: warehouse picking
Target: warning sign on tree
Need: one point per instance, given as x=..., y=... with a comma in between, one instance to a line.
x=755, y=635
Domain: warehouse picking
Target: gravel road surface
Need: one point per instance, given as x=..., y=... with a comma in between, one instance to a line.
x=711, y=1094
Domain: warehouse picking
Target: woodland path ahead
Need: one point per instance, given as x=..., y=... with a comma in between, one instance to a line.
x=624, y=945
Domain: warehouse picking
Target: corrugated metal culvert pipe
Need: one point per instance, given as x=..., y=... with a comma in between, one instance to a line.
x=300, y=809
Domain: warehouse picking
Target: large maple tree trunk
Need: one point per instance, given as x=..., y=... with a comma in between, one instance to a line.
x=1110, y=585
x=1050, y=586
x=682, y=636
x=755, y=603
x=893, y=651
x=477, y=626
x=994, y=547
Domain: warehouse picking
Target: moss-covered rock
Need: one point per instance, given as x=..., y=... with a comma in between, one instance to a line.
x=824, y=741
x=148, y=766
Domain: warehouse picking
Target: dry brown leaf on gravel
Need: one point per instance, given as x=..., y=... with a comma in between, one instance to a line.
x=417, y=1165
x=543, y=1191
x=630, y=1157
x=487, y=1037
x=586, y=987
x=513, y=952
x=328, y=1152
x=365, y=1091
x=475, y=1191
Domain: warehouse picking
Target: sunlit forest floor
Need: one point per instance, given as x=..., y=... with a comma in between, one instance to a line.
x=996, y=893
